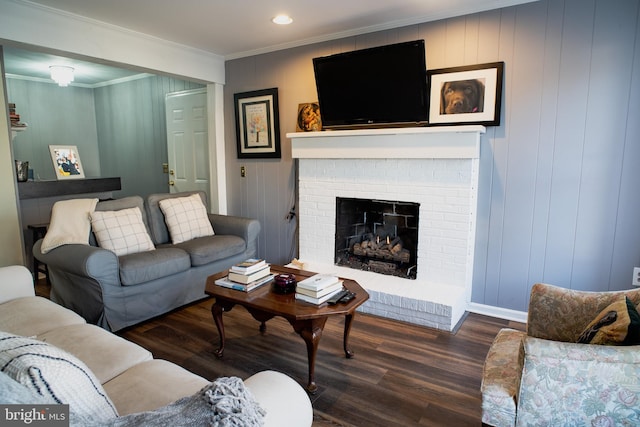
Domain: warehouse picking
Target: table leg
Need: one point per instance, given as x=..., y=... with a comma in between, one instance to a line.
x=311, y=332
x=260, y=316
x=348, y=320
x=217, y=309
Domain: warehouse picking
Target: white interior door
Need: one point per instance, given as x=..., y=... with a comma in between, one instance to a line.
x=187, y=141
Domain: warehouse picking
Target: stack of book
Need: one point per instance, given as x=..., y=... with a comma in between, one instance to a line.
x=318, y=288
x=247, y=275
x=15, y=117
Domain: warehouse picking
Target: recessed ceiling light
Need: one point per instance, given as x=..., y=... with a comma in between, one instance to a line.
x=282, y=20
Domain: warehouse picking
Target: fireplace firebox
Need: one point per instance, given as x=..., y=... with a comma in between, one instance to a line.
x=377, y=235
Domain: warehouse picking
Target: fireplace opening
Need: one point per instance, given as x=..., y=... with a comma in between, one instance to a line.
x=377, y=235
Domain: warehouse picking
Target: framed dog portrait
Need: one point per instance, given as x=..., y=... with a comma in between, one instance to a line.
x=466, y=95
x=257, y=124
x=66, y=161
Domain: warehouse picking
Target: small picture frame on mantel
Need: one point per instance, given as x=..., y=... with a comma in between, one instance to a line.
x=66, y=162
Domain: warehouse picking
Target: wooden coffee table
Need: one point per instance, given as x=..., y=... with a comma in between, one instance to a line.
x=307, y=320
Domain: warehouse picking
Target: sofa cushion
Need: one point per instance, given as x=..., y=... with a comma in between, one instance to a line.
x=69, y=224
x=205, y=250
x=121, y=232
x=106, y=354
x=55, y=374
x=142, y=267
x=150, y=385
x=617, y=324
x=576, y=384
x=31, y=316
x=186, y=218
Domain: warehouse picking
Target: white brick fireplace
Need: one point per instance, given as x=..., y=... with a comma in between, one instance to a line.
x=435, y=167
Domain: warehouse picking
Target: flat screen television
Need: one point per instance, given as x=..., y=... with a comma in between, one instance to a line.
x=376, y=87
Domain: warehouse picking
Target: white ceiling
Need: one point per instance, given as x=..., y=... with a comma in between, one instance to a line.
x=238, y=28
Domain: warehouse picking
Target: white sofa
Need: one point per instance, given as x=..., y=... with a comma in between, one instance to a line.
x=133, y=380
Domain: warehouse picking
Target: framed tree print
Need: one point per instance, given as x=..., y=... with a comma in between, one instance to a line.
x=257, y=124
x=466, y=95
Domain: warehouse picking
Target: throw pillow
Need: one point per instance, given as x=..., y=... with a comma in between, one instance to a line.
x=56, y=375
x=69, y=224
x=186, y=218
x=617, y=324
x=122, y=232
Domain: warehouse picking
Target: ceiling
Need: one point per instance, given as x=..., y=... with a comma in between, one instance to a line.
x=238, y=28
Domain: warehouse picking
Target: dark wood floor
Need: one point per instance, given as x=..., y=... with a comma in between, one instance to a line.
x=401, y=375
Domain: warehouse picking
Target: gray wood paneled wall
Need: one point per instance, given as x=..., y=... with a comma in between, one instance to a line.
x=119, y=129
x=55, y=116
x=558, y=191
x=132, y=132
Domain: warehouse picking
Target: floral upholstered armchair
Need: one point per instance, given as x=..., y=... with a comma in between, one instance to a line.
x=578, y=363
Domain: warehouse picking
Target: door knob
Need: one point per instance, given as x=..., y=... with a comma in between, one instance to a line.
x=171, y=183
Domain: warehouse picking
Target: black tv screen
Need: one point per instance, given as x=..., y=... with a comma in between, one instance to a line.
x=375, y=87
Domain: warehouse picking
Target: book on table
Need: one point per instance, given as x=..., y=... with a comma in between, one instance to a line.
x=248, y=266
x=317, y=301
x=227, y=283
x=318, y=282
x=249, y=277
x=322, y=292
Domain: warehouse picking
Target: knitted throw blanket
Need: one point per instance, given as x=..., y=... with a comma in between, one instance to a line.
x=226, y=402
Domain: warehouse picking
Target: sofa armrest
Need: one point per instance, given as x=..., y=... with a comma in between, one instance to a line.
x=501, y=378
x=15, y=282
x=247, y=228
x=289, y=406
x=96, y=263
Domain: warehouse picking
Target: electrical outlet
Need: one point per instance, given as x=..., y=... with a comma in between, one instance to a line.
x=636, y=277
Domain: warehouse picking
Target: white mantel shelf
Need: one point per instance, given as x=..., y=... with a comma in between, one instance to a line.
x=447, y=142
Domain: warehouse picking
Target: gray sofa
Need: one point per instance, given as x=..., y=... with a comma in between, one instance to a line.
x=118, y=291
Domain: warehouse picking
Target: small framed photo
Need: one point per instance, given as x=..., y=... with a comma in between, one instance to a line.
x=309, y=119
x=66, y=161
x=466, y=95
x=257, y=124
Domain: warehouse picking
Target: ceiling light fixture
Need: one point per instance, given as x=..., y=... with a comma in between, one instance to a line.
x=282, y=20
x=61, y=74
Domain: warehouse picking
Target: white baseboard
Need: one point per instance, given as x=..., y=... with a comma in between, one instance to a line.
x=500, y=313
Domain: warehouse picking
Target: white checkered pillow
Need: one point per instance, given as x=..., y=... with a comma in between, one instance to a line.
x=122, y=232
x=186, y=218
x=57, y=376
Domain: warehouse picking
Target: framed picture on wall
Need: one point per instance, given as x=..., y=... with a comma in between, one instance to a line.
x=466, y=95
x=257, y=124
x=66, y=161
